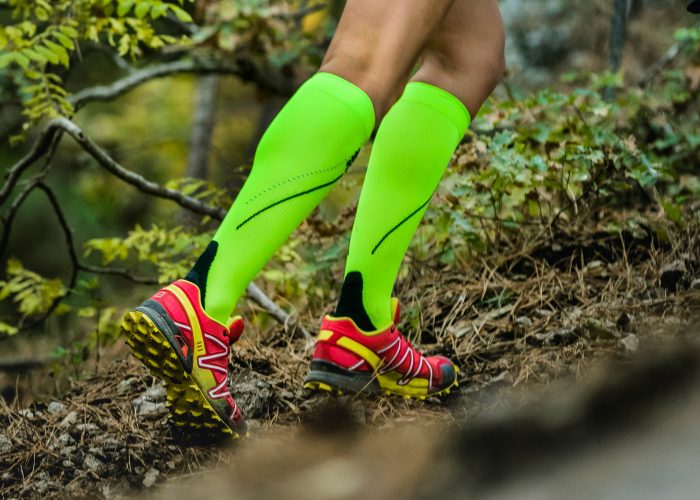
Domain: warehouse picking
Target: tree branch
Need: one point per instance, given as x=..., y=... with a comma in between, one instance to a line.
x=75, y=264
x=245, y=69
x=241, y=67
x=32, y=183
x=41, y=146
x=259, y=297
x=142, y=184
x=113, y=271
x=130, y=177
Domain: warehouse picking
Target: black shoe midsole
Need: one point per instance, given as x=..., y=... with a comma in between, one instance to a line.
x=340, y=378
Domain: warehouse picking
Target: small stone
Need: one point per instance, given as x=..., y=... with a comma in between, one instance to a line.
x=56, y=407
x=630, y=342
x=573, y=314
x=127, y=385
x=112, y=444
x=92, y=462
x=149, y=408
x=5, y=444
x=68, y=450
x=523, y=322
x=65, y=439
x=151, y=402
x=505, y=378
x=89, y=427
x=563, y=336
x=43, y=486
x=150, y=478
x=69, y=420
x=671, y=275
x=695, y=284
x=26, y=413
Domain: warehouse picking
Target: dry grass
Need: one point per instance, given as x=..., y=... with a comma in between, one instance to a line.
x=540, y=309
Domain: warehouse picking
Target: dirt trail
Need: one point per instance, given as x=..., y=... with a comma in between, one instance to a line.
x=515, y=321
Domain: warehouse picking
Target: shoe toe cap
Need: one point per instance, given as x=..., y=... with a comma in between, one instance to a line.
x=239, y=426
x=447, y=370
x=449, y=374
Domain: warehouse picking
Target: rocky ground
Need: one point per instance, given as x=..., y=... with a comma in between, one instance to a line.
x=545, y=310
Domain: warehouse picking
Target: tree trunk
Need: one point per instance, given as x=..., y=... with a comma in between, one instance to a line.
x=617, y=40
x=202, y=127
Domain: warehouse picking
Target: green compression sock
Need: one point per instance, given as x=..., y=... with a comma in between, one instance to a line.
x=413, y=146
x=305, y=150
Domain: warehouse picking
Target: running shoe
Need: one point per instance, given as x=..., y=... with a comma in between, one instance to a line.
x=180, y=344
x=347, y=359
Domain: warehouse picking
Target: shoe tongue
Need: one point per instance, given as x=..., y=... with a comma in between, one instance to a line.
x=395, y=310
x=235, y=329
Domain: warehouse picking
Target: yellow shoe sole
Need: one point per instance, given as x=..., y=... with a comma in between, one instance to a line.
x=188, y=406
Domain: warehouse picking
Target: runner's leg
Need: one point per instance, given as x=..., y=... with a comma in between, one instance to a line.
x=461, y=65
x=313, y=140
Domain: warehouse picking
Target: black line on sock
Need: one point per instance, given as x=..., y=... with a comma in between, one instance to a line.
x=399, y=224
x=351, y=159
x=199, y=272
x=350, y=302
x=348, y=162
x=272, y=205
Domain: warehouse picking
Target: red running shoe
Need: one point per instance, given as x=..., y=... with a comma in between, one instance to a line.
x=382, y=361
x=181, y=345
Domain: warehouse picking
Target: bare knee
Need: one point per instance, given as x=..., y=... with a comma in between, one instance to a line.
x=470, y=71
x=363, y=68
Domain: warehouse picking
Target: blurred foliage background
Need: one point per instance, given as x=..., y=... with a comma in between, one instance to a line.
x=180, y=92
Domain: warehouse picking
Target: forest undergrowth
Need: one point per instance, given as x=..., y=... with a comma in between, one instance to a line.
x=514, y=320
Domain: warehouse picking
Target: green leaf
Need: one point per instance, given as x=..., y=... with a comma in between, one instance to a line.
x=22, y=60
x=142, y=9
x=60, y=52
x=159, y=10
x=34, y=56
x=48, y=54
x=63, y=40
x=124, y=45
x=87, y=312
x=124, y=7
x=180, y=13
x=69, y=31
x=7, y=329
x=7, y=59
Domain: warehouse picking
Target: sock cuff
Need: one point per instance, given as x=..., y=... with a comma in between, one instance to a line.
x=348, y=93
x=440, y=100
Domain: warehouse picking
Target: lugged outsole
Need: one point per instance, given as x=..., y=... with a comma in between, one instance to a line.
x=316, y=385
x=188, y=407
